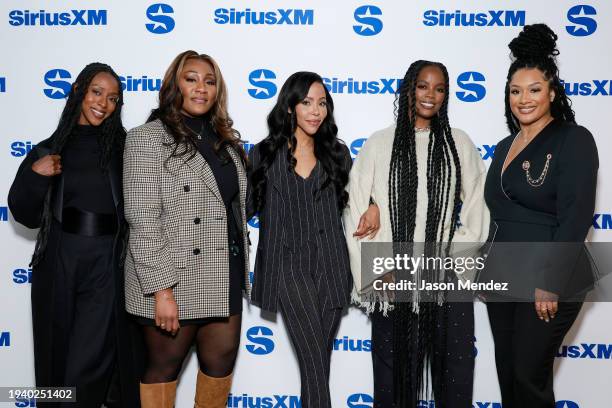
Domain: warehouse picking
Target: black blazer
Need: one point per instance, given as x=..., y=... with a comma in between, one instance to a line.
x=544, y=204
x=277, y=243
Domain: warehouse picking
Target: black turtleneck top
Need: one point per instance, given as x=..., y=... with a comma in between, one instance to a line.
x=220, y=162
x=86, y=186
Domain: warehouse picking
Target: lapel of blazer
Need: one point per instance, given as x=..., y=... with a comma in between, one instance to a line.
x=277, y=168
x=242, y=178
x=199, y=166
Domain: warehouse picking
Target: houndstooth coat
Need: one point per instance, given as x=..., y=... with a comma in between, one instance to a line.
x=163, y=197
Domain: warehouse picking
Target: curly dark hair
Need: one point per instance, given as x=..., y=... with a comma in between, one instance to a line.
x=413, y=339
x=536, y=47
x=111, y=140
x=171, y=103
x=282, y=123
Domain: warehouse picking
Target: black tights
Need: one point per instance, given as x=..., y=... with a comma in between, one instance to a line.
x=216, y=343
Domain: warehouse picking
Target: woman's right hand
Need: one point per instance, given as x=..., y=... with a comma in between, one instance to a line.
x=49, y=165
x=166, y=311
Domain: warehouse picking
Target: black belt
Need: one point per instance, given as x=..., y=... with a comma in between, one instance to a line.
x=89, y=224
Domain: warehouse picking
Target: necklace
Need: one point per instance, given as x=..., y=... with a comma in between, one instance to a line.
x=423, y=129
x=198, y=134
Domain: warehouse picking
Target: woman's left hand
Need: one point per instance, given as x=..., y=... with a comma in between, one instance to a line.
x=546, y=304
x=369, y=223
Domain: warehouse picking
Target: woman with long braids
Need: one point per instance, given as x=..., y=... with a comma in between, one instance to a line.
x=298, y=178
x=427, y=180
x=69, y=186
x=540, y=188
x=187, y=261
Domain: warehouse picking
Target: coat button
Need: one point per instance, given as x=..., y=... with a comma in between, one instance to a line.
x=196, y=221
x=196, y=251
x=186, y=189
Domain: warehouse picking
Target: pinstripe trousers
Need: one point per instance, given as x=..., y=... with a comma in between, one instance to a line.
x=312, y=325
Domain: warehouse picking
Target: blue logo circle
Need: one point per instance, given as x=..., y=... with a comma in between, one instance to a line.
x=58, y=81
x=583, y=25
x=261, y=341
x=264, y=88
x=160, y=15
x=473, y=89
x=368, y=23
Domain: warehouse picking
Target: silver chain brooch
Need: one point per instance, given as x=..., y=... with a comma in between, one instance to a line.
x=540, y=180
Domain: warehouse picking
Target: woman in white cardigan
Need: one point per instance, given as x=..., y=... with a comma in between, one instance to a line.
x=437, y=177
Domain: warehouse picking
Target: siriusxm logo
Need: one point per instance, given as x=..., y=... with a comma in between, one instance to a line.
x=254, y=222
x=475, y=404
x=261, y=339
x=471, y=83
x=21, y=148
x=24, y=402
x=4, y=214
x=487, y=151
x=65, y=18
x=583, y=25
x=21, y=276
x=2, y=84
x=602, y=221
x=5, y=339
x=585, y=350
x=274, y=401
x=592, y=88
x=356, y=145
x=490, y=18
x=59, y=82
x=346, y=344
x=261, y=80
x=566, y=404
x=264, y=87
x=271, y=17
x=359, y=401
x=352, y=86
x=247, y=146
x=161, y=16
x=368, y=23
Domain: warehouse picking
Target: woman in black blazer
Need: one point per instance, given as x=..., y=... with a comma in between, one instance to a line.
x=540, y=190
x=298, y=177
x=69, y=186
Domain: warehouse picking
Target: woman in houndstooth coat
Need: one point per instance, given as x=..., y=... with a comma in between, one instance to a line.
x=187, y=260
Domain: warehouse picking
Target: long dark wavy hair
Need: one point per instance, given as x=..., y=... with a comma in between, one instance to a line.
x=282, y=123
x=536, y=47
x=111, y=140
x=171, y=103
x=414, y=333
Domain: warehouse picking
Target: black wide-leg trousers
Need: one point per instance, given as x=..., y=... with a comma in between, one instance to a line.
x=525, y=349
x=458, y=352
x=82, y=335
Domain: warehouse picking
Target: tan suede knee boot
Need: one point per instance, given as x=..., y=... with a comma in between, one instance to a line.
x=212, y=392
x=159, y=395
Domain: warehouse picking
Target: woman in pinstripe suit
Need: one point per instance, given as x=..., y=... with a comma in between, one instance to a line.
x=187, y=261
x=298, y=179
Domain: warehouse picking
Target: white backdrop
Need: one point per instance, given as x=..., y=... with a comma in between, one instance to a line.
x=351, y=41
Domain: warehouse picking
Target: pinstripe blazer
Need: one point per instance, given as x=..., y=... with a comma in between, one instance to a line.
x=178, y=227
x=278, y=243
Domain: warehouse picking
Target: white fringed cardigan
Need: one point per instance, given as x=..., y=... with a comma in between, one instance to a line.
x=369, y=177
